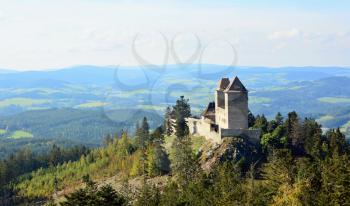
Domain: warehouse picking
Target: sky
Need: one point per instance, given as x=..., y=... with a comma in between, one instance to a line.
x=39, y=35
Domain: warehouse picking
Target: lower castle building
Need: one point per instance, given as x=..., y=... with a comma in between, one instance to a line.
x=227, y=116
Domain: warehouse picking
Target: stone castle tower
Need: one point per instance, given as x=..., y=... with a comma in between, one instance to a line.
x=227, y=116
x=231, y=104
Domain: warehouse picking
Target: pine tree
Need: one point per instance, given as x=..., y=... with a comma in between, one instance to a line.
x=261, y=123
x=157, y=162
x=107, y=140
x=278, y=171
x=137, y=167
x=145, y=132
x=335, y=189
x=296, y=136
x=182, y=111
x=227, y=188
x=292, y=118
x=251, y=119
x=142, y=134
x=183, y=162
x=279, y=119
x=149, y=196
x=168, y=124
x=313, y=138
x=157, y=135
x=123, y=146
x=55, y=155
x=107, y=196
x=93, y=196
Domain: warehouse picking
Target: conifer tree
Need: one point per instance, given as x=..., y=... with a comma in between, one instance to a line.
x=182, y=111
x=149, y=196
x=142, y=134
x=157, y=160
x=261, y=123
x=123, y=146
x=279, y=119
x=107, y=140
x=227, y=188
x=145, y=132
x=168, y=124
x=183, y=162
x=251, y=119
x=292, y=118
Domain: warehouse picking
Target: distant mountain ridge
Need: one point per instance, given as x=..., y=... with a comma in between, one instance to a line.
x=319, y=92
x=106, y=75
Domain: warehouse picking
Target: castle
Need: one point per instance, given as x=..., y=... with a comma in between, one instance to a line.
x=227, y=116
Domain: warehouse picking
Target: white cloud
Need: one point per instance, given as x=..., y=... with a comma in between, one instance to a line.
x=2, y=16
x=46, y=34
x=286, y=34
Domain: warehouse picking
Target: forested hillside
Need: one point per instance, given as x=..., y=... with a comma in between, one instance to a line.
x=40, y=129
x=293, y=164
x=319, y=92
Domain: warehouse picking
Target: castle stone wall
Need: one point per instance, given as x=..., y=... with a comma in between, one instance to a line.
x=201, y=127
x=237, y=110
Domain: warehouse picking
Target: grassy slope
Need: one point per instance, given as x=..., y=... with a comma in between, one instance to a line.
x=101, y=164
x=334, y=100
x=23, y=102
x=21, y=134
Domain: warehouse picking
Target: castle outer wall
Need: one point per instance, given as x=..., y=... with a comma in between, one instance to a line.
x=203, y=127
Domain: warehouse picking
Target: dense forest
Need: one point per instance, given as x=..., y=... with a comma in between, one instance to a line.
x=25, y=161
x=66, y=127
x=295, y=163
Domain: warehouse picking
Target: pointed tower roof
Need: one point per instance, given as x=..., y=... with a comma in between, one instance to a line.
x=236, y=85
x=223, y=83
x=209, y=112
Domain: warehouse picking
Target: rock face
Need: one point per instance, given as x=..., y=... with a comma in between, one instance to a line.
x=231, y=149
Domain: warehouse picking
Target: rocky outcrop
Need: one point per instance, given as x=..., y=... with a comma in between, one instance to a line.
x=231, y=149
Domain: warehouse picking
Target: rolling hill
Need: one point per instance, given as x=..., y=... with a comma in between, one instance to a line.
x=84, y=103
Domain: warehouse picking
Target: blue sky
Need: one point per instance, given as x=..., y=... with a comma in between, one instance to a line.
x=37, y=35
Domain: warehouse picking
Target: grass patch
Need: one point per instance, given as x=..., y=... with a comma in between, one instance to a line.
x=2, y=131
x=19, y=134
x=22, y=102
x=334, y=100
x=197, y=142
x=92, y=104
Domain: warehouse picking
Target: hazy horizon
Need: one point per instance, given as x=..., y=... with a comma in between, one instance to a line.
x=135, y=66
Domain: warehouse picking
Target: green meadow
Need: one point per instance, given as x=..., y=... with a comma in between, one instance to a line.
x=19, y=134
x=23, y=102
x=92, y=104
x=334, y=100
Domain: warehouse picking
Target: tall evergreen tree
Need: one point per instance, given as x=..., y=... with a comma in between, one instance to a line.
x=145, y=131
x=142, y=134
x=261, y=123
x=183, y=162
x=182, y=111
x=292, y=118
x=168, y=123
x=279, y=119
x=251, y=119
x=123, y=146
